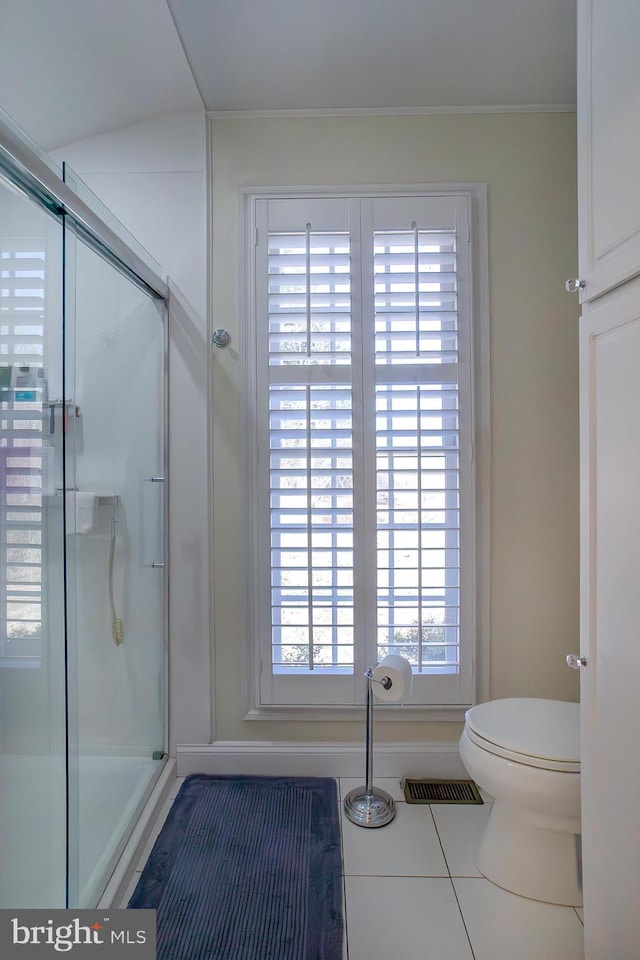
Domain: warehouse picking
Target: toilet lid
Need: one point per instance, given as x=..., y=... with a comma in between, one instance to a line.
x=543, y=730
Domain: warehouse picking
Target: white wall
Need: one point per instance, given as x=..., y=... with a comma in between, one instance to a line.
x=528, y=163
x=152, y=177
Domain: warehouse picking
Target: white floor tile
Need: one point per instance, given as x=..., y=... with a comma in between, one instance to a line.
x=392, y=785
x=391, y=917
x=460, y=828
x=406, y=847
x=502, y=926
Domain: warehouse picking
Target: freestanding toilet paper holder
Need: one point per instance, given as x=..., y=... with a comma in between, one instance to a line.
x=369, y=806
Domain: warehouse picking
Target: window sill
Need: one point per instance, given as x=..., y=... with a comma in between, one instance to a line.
x=283, y=671
x=383, y=712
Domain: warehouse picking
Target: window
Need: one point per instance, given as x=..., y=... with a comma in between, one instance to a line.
x=22, y=394
x=363, y=479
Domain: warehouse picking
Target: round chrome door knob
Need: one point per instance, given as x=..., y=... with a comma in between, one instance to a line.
x=575, y=661
x=573, y=285
x=221, y=338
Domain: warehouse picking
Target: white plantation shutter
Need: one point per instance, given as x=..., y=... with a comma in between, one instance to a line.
x=364, y=425
x=417, y=447
x=308, y=396
x=22, y=279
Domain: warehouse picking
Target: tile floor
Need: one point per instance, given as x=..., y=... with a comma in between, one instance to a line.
x=412, y=889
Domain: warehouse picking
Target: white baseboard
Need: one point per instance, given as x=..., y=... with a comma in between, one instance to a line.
x=300, y=759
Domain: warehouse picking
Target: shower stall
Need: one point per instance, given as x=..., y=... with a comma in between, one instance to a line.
x=83, y=492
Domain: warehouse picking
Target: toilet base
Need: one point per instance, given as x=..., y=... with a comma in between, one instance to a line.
x=529, y=860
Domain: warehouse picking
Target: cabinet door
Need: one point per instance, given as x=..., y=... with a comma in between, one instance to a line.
x=610, y=615
x=608, y=143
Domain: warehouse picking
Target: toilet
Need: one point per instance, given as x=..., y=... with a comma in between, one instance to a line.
x=525, y=753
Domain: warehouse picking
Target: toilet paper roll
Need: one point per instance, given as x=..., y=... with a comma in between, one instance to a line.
x=398, y=670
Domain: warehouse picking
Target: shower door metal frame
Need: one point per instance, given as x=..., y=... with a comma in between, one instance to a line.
x=27, y=169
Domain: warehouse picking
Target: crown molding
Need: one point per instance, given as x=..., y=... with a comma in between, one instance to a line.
x=391, y=111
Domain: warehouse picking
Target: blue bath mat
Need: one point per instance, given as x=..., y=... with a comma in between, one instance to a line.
x=247, y=868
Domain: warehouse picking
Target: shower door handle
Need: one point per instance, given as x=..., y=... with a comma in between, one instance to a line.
x=153, y=523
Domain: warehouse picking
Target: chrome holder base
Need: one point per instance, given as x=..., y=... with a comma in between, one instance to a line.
x=374, y=809
x=369, y=806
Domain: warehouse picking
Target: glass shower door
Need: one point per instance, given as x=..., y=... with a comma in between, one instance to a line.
x=115, y=349
x=33, y=809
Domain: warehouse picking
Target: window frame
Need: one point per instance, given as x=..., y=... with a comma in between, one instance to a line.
x=474, y=195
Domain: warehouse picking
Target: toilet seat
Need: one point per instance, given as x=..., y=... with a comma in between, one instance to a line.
x=533, y=732
x=527, y=760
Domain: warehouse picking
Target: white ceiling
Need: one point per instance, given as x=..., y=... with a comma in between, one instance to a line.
x=300, y=54
x=70, y=69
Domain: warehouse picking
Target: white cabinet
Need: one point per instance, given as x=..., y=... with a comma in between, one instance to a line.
x=610, y=614
x=609, y=258
x=608, y=143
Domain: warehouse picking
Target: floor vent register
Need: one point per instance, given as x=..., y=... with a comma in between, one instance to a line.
x=441, y=791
